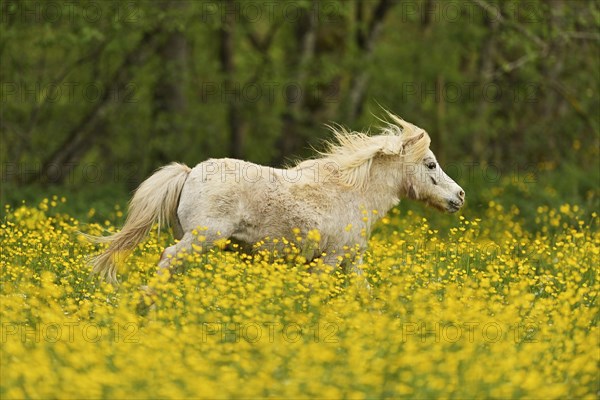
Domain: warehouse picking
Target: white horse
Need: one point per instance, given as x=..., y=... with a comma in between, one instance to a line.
x=340, y=195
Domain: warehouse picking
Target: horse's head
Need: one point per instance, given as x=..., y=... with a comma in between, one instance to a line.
x=400, y=143
x=426, y=181
x=423, y=178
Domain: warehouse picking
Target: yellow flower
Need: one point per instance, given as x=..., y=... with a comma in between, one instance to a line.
x=484, y=308
x=314, y=235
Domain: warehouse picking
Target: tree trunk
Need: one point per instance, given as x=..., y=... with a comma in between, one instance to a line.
x=169, y=101
x=487, y=66
x=365, y=42
x=300, y=60
x=552, y=72
x=441, y=142
x=226, y=57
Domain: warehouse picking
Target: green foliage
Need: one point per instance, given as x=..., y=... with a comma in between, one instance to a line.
x=513, y=85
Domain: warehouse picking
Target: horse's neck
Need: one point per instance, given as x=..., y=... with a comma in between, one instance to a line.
x=383, y=188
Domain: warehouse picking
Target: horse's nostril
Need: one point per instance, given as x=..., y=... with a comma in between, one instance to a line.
x=461, y=194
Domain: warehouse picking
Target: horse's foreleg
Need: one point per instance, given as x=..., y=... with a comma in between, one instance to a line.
x=332, y=259
x=349, y=266
x=362, y=279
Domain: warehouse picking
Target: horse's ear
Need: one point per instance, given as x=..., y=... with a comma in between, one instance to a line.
x=413, y=140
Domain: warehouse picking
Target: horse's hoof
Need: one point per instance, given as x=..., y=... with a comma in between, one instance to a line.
x=147, y=302
x=147, y=290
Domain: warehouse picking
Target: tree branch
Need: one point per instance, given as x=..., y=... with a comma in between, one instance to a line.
x=226, y=57
x=81, y=137
x=494, y=12
x=365, y=42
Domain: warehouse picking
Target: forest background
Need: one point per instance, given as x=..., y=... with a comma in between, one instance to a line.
x=95, y=95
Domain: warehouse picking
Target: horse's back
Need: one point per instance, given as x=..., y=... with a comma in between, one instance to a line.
x=221, y=189
x=249, y=195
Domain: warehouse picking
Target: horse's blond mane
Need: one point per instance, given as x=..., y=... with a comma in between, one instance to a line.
x=352, y=153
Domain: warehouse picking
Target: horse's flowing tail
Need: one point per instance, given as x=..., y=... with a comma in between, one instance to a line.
x=155, y=200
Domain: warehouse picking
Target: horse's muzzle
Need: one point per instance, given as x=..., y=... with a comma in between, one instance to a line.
x=454, y=205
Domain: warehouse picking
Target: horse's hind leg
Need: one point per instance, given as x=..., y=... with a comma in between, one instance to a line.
x=169, y=254
x=209, y=235
x=167, y=262
x=168, y=257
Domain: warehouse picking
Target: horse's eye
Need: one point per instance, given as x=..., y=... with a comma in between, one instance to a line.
x=431, y=165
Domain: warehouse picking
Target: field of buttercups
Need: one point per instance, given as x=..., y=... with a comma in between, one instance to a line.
x=482, y=308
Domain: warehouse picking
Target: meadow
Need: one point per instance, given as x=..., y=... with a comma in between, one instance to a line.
x=496, y=301
x=486, y=306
